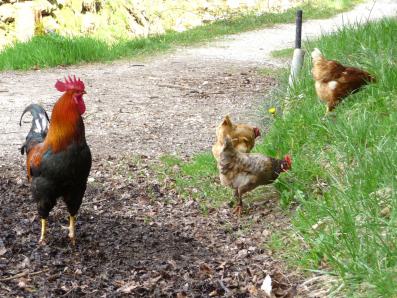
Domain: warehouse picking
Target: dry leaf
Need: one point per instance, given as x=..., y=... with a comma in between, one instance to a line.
x=205, y=269
x=3, y=249
x=213, y=293
x=385, y=212
x=253, y=290
x=267, y=285
x=127, y=288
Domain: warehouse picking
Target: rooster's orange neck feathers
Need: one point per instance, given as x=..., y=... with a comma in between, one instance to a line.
x=65, y=125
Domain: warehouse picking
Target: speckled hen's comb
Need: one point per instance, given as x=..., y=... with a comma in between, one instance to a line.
x=288, y=159
x=70, y=84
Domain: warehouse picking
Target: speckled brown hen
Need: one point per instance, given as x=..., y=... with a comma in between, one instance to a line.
x=245, y=171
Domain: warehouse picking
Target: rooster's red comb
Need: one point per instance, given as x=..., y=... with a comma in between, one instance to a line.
x=70, y=84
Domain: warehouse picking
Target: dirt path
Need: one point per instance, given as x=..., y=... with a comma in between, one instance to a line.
x=136, y=237
x=171, y=103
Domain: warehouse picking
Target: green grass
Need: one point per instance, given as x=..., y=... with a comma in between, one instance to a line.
x=54, y=50
x=344, y=171
x=196, y=179
x=283, y=53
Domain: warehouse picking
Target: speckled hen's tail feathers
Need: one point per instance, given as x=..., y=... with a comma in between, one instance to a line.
x=39, y=129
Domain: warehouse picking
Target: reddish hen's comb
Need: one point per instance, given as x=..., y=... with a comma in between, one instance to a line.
x=257, y=132
x=70, y=84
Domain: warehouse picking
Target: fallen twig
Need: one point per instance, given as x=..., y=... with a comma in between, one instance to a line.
x=93, y=202
x=176, y=87
x=223, y=286
x=23, y=274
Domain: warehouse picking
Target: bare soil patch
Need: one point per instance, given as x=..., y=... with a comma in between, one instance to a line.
x=135, y=238
x=164, y=105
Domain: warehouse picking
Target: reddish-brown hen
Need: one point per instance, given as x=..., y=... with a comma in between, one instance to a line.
x=245, y=171
x=243, y=136
x=333, y=81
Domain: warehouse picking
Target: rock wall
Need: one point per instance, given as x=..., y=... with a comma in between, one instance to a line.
x=114, y=19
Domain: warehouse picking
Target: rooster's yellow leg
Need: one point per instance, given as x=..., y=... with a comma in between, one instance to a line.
x=44, y=223
x=72, y=229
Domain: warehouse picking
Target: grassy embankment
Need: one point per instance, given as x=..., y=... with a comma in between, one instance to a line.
x=53, y=50
x=344, y=177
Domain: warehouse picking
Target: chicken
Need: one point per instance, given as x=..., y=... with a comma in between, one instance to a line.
x=245, y=171
x=333, y=81
x=58, y=157
x=243, y=136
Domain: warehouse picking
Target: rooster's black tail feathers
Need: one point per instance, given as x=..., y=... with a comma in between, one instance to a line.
x=39, y=128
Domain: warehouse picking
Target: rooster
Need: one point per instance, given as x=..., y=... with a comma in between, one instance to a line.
x=245, y=171
x=333, y=81
x=243, y=136
x=58, y=157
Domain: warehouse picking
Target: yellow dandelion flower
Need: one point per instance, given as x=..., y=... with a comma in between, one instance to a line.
x=272, y=110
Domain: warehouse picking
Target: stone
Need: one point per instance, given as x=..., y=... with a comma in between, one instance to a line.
x=7, y=13
x=75, y=5
x=43, y=6
x=25, y=21
x=156, y=27
x=89, y=5
x=69, y=22
x=138, y=24
x=89, y=23
x=187, y=21
x=3, y=39
x=233, y=4
x=49, y=24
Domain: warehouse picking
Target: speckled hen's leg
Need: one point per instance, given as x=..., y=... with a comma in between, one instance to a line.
x=239, y=208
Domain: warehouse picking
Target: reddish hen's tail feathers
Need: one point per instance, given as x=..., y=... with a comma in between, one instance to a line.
x=39, y=128
x=316, y=54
